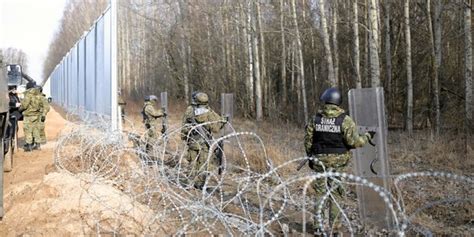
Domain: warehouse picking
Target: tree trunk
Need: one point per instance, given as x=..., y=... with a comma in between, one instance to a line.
x=435, y=34
x=468, y=63
x=373, y=44
x=250, y=82
x=388, y=53
x=409, y=115
x=263, y=70
x=256, y=63
x=355, y=26
x=184, y=48
x=327, y=47
x=301, y=78
x=334, y=42
x=283, y=54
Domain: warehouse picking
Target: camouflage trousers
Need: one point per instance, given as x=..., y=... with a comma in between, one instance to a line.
x=199, y=165
x=31, y=128
x=42, y=133
x=151, y=136
x=334, y=163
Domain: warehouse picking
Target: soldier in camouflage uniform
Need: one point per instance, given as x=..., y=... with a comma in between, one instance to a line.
x=329, y=137
x=44, y=111
x=31, y=108
x=199, y=138
x=121, y=103
x=150, y=118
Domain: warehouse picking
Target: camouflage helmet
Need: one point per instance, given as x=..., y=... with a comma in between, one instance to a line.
x=331, y=96
x=201, y=98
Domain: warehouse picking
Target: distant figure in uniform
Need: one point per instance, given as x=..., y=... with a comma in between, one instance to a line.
x=150, y=118
x=328, y=138
x=121, y=103
x=44, y=111
x=31, y=107
x=199, y=138
x=14, y=111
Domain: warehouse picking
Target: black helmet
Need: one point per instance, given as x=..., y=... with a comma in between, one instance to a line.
x=331, y=96
x=30, y=84
x=12, y=87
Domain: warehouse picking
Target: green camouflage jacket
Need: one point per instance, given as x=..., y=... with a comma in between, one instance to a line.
x=32, y=104
x=201, y=114
x=152, y=114
x=45, y=105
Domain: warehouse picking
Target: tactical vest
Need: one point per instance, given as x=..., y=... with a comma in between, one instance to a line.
x=327, y=136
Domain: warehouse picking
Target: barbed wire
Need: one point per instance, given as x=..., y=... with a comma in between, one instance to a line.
x=244, y=199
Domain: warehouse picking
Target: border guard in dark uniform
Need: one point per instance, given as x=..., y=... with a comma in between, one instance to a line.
x=329, y=138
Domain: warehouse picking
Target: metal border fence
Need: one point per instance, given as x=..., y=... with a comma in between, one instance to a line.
x=85, y=81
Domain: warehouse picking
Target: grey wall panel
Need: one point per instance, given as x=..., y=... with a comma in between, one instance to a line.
x=82, y=81
x=100, y=87
x=106, y=82
x=90, y=71
x=81, y=74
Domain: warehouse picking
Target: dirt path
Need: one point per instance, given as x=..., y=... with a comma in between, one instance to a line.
x=29, y=170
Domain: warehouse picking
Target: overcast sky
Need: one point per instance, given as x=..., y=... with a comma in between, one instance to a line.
x=29, y=25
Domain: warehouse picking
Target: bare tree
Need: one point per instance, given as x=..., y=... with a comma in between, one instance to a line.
x=355, y=28
x=334, y=40
x=468, y=62
x=409, y=115
x=327, y=47
x=435, y=57
x=388, y=51
x=299, y=46
x=283, y=52
x=374, y=45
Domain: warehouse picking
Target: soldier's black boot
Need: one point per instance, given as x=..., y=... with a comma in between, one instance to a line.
x=318, y=232
x=28, y=147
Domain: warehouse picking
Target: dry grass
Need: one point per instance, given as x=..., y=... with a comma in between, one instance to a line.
x=450, y=153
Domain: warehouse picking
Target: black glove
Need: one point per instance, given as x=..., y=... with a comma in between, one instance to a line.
x=226, y=118
x=372, y=134
x=43, y=118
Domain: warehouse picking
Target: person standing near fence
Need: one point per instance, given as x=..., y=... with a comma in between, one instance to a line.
x=329, y=137
x=31, y=107
x=151, y=117
x=44, y=111
x=121, y=103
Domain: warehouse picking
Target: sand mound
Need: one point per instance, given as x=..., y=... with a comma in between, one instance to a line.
x=66, y=205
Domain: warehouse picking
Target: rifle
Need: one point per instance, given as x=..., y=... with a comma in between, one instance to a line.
x=219, y=151
x=302, y=163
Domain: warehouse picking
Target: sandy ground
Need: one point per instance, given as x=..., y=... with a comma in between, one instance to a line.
x=40, y=201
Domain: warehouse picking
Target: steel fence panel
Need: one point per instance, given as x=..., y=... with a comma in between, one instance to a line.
x=90, y=71
x=83, y=81
x=81, y=75
x=107, y=78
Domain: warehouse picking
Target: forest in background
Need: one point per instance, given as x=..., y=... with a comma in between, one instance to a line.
x=278, y=56
x=15, y=56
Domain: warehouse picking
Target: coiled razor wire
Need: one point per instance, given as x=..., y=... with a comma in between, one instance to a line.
x=245, y=199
